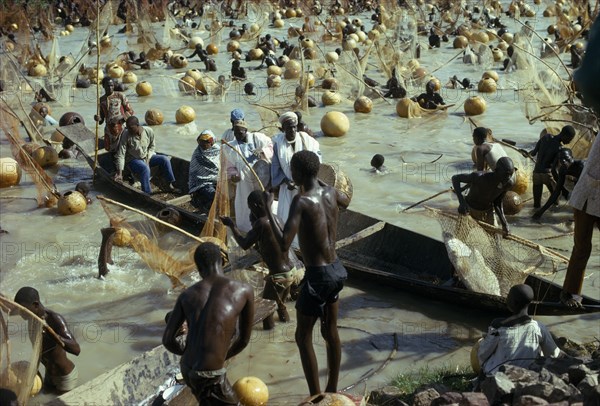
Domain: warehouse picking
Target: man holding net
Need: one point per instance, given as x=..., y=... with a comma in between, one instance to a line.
x=247, y=148
x=61, y=373
x=486, y=192
x=546, y=150
x=281, y=271
x=314, y=216
x=285, y=145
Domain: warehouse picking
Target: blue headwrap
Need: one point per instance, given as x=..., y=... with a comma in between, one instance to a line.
x=237, y=114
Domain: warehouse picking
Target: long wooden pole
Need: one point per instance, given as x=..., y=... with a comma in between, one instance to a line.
x=49, y=329
x=262, y=187
x=427, y=199
x=97, y=88
x=150, y=216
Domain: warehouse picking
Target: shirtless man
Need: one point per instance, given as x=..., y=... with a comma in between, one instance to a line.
x=569, y=171
x=237, y=72
x=61, y=373
x=546, y=150
x=212, y=309
x=487, y=189
x=313, y=216
x=430, y=99
x=281, y=270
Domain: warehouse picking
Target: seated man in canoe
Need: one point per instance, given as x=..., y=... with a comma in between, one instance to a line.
x=204, y=171
x=431, y=99
x=136, y=150
x=215, y=309
x=486, y=192
x=281, y=271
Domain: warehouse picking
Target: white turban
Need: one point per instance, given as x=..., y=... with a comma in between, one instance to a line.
x=290, y=116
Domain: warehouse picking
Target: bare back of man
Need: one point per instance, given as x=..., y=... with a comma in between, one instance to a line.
x=313, y=216
x=318, y=212
x=484, y=190
x=212, y=309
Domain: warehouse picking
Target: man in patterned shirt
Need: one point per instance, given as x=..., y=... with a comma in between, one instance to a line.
x=204, y=170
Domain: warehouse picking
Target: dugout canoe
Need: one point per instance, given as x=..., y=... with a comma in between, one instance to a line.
x=84, y=139
x=377, y=251
x=401, y=258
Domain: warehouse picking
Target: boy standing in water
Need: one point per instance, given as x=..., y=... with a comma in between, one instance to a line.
x=281, y=271
x=313, y=216
x=61, y=373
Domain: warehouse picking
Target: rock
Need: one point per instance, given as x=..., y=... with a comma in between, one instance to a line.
x=498, y=388
x=528, y=400
x=558, y=366
x=577, y=373
x=546, y=391
x=424, y=398
x=587, y=385
x=448, y=398
x=518, y=374
x=474, y=399
x=593, y=399
x=388, y=395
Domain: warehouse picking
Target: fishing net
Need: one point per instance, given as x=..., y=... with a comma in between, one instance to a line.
x=161, y=248
x=546, y=95
x=170, y=251
x=20, y=349
x=47, y=194
x=486, y=262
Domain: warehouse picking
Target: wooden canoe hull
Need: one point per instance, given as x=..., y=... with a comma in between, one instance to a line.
x=420, y=265
x=85, y=141
x=394, y=256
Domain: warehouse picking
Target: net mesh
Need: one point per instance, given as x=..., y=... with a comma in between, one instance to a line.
x=170, y=250
x=20, y=349
x=47, y=193
x=546, y=94
x=486, y=262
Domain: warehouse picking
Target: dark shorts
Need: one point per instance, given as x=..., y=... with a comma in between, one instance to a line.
x=209, y=390
x=321, y=286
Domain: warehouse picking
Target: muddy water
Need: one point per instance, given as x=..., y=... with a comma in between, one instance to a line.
x=122, y=316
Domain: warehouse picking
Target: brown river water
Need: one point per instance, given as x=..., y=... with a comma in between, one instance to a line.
x=120, y=317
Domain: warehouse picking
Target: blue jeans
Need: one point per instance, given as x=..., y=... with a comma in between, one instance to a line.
x=142, y=171
x=202, y=198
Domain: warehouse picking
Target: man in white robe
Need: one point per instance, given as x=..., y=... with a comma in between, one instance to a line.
x=285, y=145
x=252, y=146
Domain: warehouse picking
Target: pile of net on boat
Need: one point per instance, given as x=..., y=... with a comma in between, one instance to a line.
x=485, y=261
x=20, y=349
